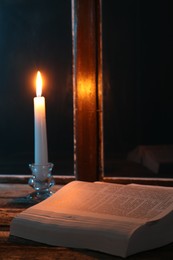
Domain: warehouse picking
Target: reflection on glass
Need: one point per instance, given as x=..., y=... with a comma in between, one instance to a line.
x=137, y=40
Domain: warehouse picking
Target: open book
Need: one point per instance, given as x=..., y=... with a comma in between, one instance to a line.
x=112, y=218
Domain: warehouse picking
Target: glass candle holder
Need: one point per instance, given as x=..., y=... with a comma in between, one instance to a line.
x=41, y=181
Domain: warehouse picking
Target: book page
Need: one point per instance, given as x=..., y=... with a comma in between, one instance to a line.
x=156, y=201
x=137, y=203
x=98, y=216
x=75, y=209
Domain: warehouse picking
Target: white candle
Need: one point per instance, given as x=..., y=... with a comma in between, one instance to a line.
x=40, y=133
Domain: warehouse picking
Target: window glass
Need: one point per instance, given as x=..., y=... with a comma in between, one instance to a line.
x=137, y=72
x=35, y=34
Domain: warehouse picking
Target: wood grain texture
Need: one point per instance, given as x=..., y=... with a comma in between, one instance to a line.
x=87, y=89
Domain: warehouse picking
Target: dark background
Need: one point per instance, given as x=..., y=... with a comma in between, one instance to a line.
x=35, y=35
x=137, y=70
x=138, y=81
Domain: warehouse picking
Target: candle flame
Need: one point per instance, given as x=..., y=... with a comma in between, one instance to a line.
x=38, y=84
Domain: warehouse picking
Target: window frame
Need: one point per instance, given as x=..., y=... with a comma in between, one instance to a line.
x=91, y=153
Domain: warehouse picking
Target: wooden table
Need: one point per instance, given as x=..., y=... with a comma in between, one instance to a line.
x=11, y=203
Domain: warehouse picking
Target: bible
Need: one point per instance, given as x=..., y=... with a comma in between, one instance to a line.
x=112, y=218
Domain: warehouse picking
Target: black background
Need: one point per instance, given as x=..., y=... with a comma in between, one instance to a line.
x=138, y=82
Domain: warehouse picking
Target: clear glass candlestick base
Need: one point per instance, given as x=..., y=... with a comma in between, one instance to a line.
x=41, y=181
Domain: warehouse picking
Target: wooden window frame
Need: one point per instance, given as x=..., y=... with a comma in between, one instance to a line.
x=88, y=101
x=88, y=129
x=87, y=89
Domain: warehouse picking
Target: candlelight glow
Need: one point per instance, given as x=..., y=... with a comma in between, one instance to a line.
x=86, y=88
x=39, y=84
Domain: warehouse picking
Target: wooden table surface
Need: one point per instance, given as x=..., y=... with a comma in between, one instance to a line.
x=12, y=202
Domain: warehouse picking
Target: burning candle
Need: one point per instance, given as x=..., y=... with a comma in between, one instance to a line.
x=40, y=133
